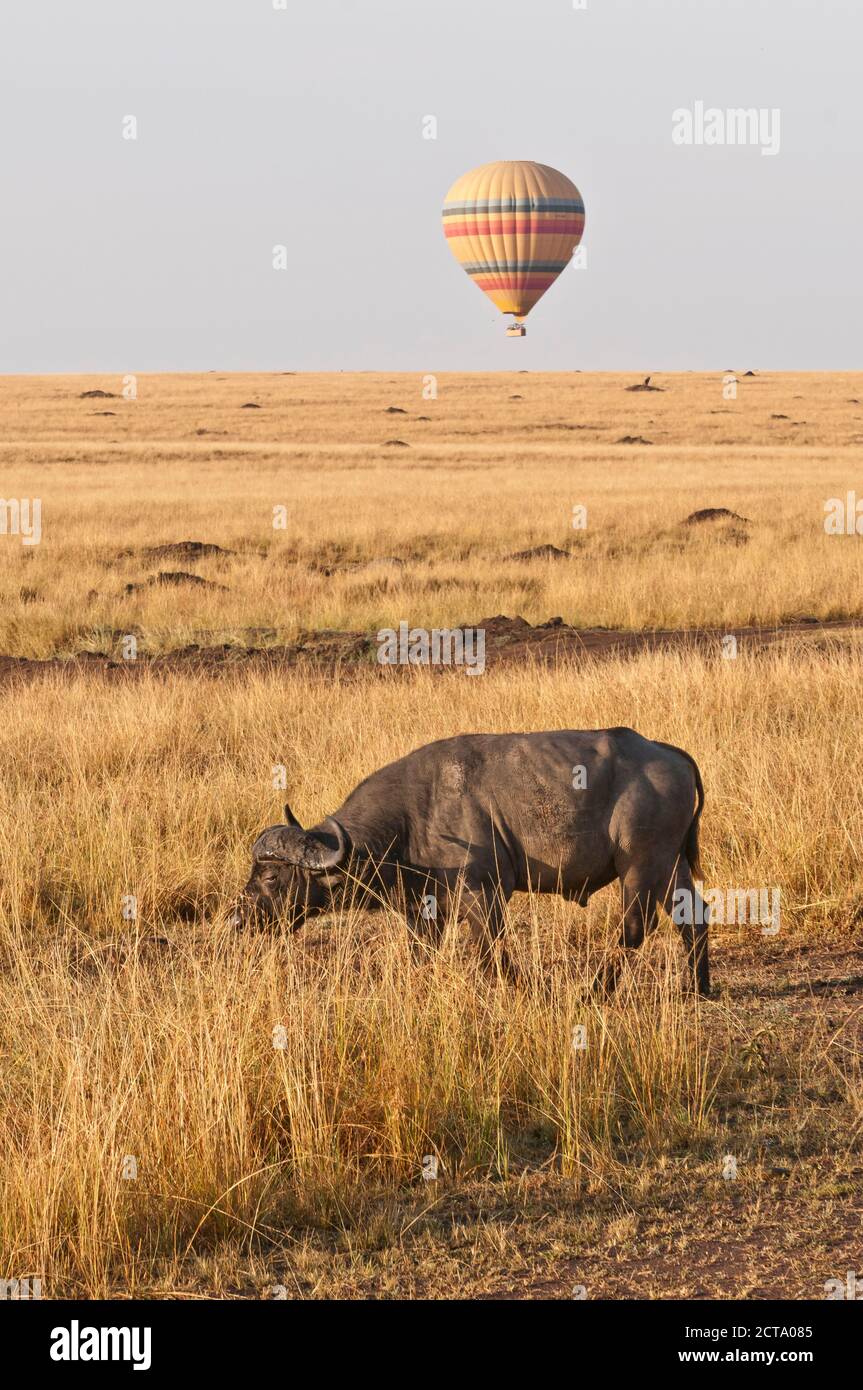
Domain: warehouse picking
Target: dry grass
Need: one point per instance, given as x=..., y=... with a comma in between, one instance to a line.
x=154, y=1037
x=484, y=477
x=156, y=788
x=301, y=1166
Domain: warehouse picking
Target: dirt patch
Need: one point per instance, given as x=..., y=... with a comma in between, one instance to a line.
x=633, y=439
x=98, y=396
x=183, y=550
x=357, y=566
x=506, y=640
x=173, y=579
x=514, y=639
x=561, y=425
x=645, y=386
x=715, y=514
x=540, y=552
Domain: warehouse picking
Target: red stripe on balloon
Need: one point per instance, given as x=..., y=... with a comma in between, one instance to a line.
x=528, y=281
x=479, y=227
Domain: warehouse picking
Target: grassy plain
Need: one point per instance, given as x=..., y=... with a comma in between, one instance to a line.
x=293, y=1157
x=484, y=476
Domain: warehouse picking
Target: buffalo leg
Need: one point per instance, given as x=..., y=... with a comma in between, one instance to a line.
x=639, y=919
x=693, y=926
x=483, y=909
x=426, y=918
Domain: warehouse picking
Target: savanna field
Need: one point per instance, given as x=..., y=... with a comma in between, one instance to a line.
x=189, y=1112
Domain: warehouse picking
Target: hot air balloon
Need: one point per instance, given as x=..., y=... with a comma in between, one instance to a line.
x=513, y=226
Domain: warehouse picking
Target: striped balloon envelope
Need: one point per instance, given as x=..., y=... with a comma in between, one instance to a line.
x=513, y=226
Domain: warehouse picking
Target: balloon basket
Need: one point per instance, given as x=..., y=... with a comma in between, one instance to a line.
x=516, y=330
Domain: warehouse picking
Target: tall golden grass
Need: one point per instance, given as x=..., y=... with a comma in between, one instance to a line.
x=154, y=1038
x=156, y=786
x=278, y=1094
x=483, y=476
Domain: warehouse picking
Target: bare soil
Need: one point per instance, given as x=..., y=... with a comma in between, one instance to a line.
x=507, y=640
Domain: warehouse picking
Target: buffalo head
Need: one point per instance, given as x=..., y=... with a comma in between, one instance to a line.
x=293, y=873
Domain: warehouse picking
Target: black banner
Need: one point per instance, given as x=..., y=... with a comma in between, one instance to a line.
x=233, y=1336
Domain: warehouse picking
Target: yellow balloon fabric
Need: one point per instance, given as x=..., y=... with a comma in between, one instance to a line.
x=513, y=226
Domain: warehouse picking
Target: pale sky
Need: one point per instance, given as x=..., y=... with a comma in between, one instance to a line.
x=303, y=126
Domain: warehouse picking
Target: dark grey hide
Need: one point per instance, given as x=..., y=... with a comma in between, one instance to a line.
x=466, y=822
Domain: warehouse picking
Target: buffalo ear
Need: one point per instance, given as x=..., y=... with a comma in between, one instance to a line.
x=319, y=852
x=290, y=818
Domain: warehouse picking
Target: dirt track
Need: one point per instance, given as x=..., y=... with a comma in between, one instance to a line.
x=507, y=640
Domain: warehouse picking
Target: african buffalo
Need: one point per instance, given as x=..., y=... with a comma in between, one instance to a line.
x=465, y=822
